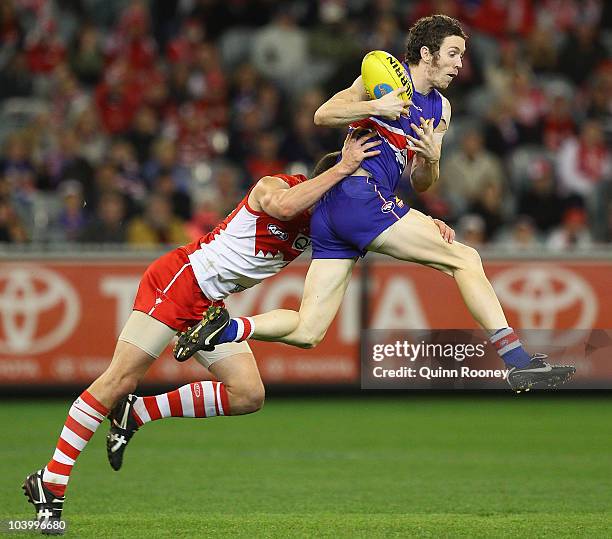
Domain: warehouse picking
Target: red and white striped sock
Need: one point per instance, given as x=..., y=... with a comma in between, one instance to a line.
x=199, y=399
x=84, y=417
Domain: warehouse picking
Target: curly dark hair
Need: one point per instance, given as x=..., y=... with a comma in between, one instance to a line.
x=430, y=32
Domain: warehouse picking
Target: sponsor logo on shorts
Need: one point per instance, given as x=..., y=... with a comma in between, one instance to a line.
x=388, y=206
x=301, y=242
x=277, y=231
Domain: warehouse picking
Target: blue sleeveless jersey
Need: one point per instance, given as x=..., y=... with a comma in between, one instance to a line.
x=388, y=167
x=358, y=209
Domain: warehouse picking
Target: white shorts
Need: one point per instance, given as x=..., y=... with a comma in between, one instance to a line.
x=153, y=336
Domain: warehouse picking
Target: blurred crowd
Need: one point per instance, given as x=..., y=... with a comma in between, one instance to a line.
x=144, y=122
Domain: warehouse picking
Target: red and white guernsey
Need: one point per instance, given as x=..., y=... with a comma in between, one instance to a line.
x=247, y=247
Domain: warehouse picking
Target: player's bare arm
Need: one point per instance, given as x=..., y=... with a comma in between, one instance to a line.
x=428, y=147
x=352, y=104
x=273, y=196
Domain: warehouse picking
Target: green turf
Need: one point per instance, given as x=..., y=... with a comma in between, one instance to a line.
x=480, y=467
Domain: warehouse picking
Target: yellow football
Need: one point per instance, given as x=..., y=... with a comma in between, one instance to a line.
x=382, y=73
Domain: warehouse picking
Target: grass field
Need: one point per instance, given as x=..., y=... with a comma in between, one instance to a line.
x=415, y=467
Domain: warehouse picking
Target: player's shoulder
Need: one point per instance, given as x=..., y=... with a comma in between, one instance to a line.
x=267, y=184
x=446, y=108
x=290, y=179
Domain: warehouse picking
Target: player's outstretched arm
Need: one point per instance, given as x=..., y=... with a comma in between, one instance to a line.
x=277, y=199
x=352, y=105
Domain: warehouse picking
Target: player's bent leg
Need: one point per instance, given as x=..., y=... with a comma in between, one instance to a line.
x=239, y=389
x=140, y=343
x=240, y=376
x=45, y=488
x=324, y=288
x=416, y=238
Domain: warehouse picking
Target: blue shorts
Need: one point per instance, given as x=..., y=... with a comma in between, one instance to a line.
x=351, y=215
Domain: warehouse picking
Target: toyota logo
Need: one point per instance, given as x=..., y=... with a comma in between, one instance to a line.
x=543, y=297
x=38, y=309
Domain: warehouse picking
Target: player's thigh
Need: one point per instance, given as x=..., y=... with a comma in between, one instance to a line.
x=140, y=343
x=324, y=289
x=416, y=238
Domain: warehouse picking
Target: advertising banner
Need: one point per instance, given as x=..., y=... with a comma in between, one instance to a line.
x=59, y=320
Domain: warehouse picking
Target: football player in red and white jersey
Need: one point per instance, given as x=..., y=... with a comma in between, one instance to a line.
x=267, y=230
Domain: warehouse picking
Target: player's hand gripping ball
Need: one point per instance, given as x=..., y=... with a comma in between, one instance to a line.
x=382, y=73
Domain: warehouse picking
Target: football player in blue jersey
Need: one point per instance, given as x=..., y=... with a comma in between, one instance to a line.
x=362, y=214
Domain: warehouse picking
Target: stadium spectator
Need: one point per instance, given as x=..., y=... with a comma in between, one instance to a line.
x=15, y=77
x=109, y=223
x=11, y=227
x=559, y=124
x=599, y=99
x=573, y=232
x=489, y=206
x=280, y=50
x=118, y=97
x=44, y=47
x=72, y=218
x=303, y=143
x=164, y=160
x=157, y=225
x=266, y=157
x=64, y=162
x=11, y=30
x=93, y=145
x=471, y=230
x=180, y=201
x=86, y=56
x=122, y=156
x=17, y=167
x=143, y=132
x=501, y=130
x=523, y=235
x=581, y=53
x=585, y=161
x=469, y=170
x=131, y=40
x=541, y=50
x=539, y=199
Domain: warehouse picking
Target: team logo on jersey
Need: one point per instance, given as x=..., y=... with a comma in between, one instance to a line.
x=301, y=242
x=388, y=206
x=277, y=231
x=399, y=202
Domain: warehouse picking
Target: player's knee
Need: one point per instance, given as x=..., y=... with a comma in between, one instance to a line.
x=256, y=398
x=247, y=399
x=120, y=384
x=470, y=258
